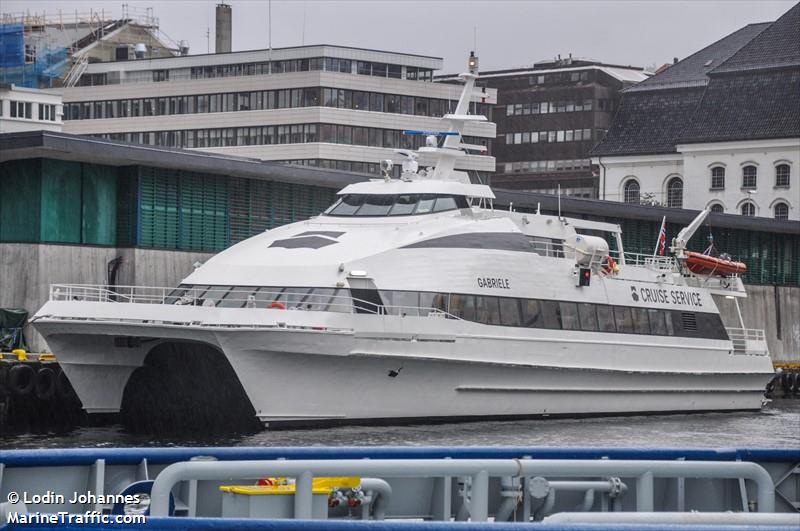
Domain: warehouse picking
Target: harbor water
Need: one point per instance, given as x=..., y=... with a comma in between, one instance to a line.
x=776, y=426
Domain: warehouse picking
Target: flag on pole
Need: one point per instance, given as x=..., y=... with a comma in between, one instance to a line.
x=661, y=244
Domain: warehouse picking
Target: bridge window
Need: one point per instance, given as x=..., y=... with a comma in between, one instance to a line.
x=395, y=205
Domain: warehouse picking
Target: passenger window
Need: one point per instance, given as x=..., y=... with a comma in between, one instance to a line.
x=295, y=298
x=340, y=302
x=432, y=301
x=531, y=314
x=463, y=306
x=266, y=295
x=640, y=322
x=376, y=205
x=569, y=316
x=487, y=310
x=509, y=312
x=658, y=325
x=551, y=314
x=605, y=318
x=624, y=319
x=235, y=298
x=319, y=299
x=588, y=316
x=404, y=205
x=444, y=203
x=347, y=206
x=176, y=295
x=425, y=204
x=406, y=302
x=215, y=294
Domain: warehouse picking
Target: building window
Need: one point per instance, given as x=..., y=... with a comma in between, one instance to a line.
x=47, y=112
x=749, y=177
x=717, y=208
x=675, y=193
x=748, y=209
x=21, y=109
x=781, y=210
x=718, y=178
x=632, y=191
x=782, y=175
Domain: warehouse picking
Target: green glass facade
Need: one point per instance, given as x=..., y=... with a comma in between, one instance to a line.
x=54, y=201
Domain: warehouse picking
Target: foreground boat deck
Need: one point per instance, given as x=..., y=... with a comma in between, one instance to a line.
x=418, y=487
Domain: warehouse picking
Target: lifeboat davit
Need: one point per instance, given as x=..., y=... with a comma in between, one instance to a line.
x=703, y=264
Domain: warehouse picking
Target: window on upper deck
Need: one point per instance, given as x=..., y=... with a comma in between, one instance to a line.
x=395, y=205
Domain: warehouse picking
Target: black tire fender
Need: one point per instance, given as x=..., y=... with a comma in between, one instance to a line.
x=21, y=379
x=45, y=383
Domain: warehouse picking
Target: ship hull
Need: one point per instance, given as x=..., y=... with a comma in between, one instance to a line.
x=361, y=368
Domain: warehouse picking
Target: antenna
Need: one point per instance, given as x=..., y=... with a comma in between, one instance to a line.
x=303, y=41
x=269, y=33
x=559, y=202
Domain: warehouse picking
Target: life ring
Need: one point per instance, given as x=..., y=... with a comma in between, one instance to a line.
x=21, y=379
x=610, y=267
x=277, y=305
x=45, y=384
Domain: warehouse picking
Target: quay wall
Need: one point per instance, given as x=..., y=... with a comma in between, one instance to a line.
x=776, y=310
x=27, y=270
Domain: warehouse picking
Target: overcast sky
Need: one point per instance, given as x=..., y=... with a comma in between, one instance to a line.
x=509, y=33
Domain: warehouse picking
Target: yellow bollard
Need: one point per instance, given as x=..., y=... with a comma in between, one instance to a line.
x=21, y=354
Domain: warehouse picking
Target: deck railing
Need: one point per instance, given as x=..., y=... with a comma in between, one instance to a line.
x=308, y=299
x=751, y=341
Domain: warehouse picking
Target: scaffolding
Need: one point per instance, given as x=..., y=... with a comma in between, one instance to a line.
x=38, y=49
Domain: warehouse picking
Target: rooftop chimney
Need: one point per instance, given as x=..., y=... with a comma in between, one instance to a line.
x=223, y=32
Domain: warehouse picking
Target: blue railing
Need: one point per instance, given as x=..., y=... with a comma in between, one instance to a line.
x=131, y=456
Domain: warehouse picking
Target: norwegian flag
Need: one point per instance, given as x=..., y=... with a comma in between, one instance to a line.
x=662, y=238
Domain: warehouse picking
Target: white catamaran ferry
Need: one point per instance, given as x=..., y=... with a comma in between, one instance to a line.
x=413, y=298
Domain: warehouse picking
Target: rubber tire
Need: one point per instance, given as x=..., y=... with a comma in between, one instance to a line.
x=45, y=384
x=786, y=384
x=3, y=378
x=64, y=390
x=21, y=379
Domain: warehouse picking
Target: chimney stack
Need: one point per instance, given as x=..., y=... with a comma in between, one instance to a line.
x=223, y=33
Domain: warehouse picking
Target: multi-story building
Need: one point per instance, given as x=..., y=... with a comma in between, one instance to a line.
x=548, y=118
x=25, y=109
x=718, y=130
x=328, y=106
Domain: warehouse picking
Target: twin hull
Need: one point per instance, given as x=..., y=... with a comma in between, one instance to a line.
x=306, y=366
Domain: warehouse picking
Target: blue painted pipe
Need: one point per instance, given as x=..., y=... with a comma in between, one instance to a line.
x=132, y=456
